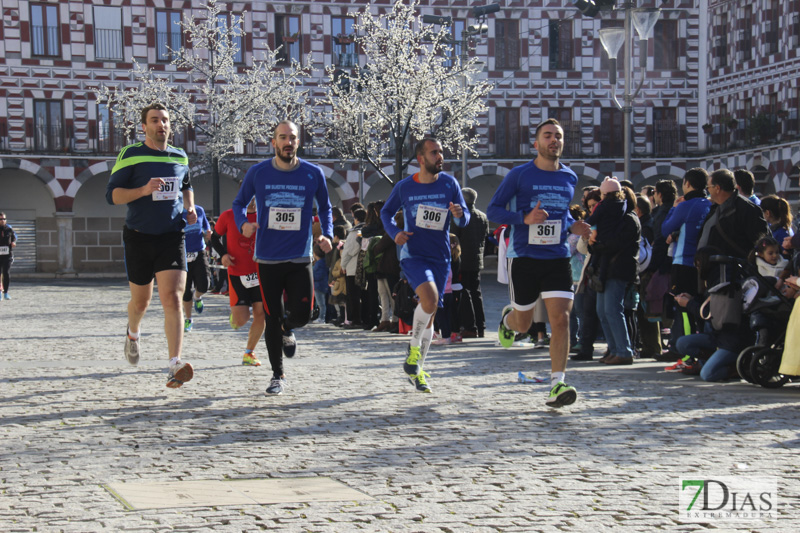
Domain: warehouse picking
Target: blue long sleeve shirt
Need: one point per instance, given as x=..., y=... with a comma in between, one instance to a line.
x=687, y=217
x=522, y=188
x=284, y=203
x=431, y=201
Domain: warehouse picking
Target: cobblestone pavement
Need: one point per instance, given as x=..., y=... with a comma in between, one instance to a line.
x=482, y=453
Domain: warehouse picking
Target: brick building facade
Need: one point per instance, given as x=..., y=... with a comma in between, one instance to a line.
x=729, y=65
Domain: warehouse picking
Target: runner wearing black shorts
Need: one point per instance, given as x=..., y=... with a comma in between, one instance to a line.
x=198, y=274
x=534, y=200
x=244, y=290
x=152, y=179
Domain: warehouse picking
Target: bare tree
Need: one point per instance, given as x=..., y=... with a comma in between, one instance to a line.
x=412, y=85
x=225, y=103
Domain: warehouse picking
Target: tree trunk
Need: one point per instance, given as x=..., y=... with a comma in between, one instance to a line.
x=398, y=160
x=215, y=185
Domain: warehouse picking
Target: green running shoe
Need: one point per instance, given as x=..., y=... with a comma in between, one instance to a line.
x=561, y=394
x=419, y=382
x=198, y=306
x=411, y=365
x=505, y=335
x=232, y=323
x=187, y=325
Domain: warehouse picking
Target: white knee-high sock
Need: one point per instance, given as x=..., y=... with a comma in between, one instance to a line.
x=418, y=325
x=427, y=337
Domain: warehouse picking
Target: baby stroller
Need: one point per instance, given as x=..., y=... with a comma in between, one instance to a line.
x=768, y=312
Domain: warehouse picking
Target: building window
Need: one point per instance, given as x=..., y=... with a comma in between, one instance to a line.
x=604, y=63
x=561, y=45
x=287, y=36
x=746, y=44
x=665, y=45
x=572, y=130
x=611, y=135
x=109, y=139
x=666, y=136
x=44, y=31
x=344, y=46
x=169, y=34
x=506, y=131
x=456, y=31
x=234, y=22
x=721, y=42
x=48, y=126
x=772, y=36
x=506, y=44
x=108, y=33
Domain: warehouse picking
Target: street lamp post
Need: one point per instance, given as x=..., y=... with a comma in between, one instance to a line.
x=612, y=40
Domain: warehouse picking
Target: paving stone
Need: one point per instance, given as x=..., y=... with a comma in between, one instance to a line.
x=482, y=453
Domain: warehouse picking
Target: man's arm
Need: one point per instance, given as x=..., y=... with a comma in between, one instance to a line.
x=120, y=195
x=188, y=205
x=497, y=211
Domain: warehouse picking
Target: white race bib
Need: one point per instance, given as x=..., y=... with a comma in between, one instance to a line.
x=168, y=191
x=548, y=232
x=285, y=218
x=5, y=250
x=429, y=217
x=191, y=256
x=250, y=280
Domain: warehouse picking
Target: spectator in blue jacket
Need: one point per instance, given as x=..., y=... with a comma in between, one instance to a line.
x=682, y=227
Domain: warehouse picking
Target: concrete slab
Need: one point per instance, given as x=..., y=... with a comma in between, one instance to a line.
x=211, y=493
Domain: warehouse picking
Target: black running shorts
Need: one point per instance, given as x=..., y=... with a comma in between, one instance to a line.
x=528, y=278
x=146, y=254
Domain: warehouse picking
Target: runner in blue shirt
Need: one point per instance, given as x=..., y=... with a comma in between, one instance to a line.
x=428, y=199
x=197, y=265
x=533, y=200
x=152, y=179
x=286, y=190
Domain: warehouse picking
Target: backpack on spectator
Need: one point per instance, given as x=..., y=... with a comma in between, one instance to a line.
x=404, y=301
x=645, y=254
x=371, y=260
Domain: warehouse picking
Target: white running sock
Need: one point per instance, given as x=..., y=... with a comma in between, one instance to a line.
x=419, y=324
x=174, y=361
x=427, y=337
x=555, y=377
x=133, y=335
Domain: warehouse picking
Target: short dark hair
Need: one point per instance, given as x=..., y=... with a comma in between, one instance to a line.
x=541, y=125
x=339, y=231
x=419, y=149
x=745, y=180
x=158, y=106
x=626, y=183
x=595, y=195
x=724, y=178
x=667, y=190
x=360, y=215
x=284, y=122
x=336, y=212
x=644, y=205
x=356, y=206
x=697, y=178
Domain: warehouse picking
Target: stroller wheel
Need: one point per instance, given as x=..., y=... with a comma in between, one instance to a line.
x=764, y=368
x=744, y=360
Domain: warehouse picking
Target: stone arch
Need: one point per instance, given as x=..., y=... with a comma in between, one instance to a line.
x=32, y=168
x=652, y=174
x=339, y=189
x=94, y=170
x=18, y=194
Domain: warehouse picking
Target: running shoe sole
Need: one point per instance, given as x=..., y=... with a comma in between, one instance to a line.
x=183, y=375
x=133, y=358
x=564, y=398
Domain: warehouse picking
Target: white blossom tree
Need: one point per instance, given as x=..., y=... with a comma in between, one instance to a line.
x=412, y=85
x=226, y=104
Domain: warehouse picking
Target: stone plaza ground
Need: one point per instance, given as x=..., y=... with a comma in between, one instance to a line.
x=482, y=453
